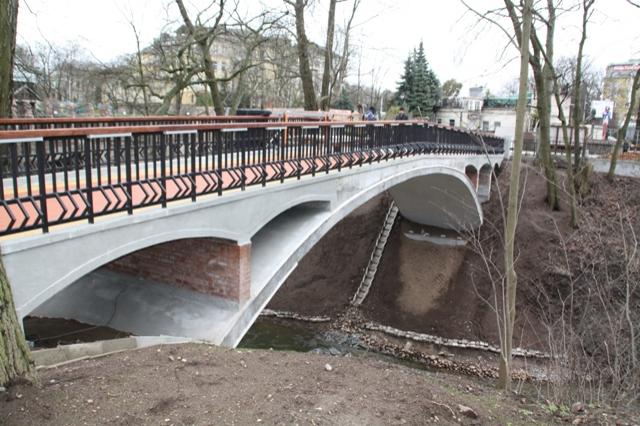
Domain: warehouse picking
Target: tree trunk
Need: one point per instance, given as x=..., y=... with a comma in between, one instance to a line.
x=143, y=84
x=567, y=148
x=637, y=130
x=201, y=37
x=325, y=94
x=237, y=96
x=623, y=130
x=179, y=102
x=544, y=116
x=545, y=110
x=15, y=358
x=306, y=75
x=509, y=312
x=8, y=22
x=576, y=98
x=541, y=75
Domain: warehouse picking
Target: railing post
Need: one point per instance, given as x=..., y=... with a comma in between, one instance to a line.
x=299, y=140
x=193, y=165
x=88, y=178
x=218, y=133
x=40, y=154
x=263, y=165
x=243, y=159
x=163, y=169
x=127, y=168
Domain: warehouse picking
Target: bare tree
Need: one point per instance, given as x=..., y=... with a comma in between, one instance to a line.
x=506, y=341
x=15, y=358
x=567, y=147
x=8, y=21
x=203, y=37
x=306, y=75
x=577, y=115
x=227, y=22
x=541, y=75
x=340, y=66
x=325, y=99
x=140, y=68
x=171, y=69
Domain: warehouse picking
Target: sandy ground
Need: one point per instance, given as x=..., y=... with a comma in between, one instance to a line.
x=204, y=385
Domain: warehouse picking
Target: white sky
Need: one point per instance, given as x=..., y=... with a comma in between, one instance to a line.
x=386, y=31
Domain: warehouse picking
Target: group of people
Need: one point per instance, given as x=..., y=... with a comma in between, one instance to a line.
x=370, y=115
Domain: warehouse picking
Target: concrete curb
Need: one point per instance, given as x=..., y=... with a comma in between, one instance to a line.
x=62, y=355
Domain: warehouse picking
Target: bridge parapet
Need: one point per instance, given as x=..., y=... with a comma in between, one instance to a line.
x=53, y=177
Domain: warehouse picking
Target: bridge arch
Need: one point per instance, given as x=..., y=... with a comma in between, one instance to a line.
x=403, y=187
x=484, y=182
x=472, y=173
x=246, y=218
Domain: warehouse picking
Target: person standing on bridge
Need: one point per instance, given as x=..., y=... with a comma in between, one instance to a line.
x=371, y=114
x=402, y=115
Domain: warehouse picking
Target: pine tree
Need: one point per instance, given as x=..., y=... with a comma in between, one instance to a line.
x=426, y=87
x=419, y=87
x=404, y=85
x=344, y=101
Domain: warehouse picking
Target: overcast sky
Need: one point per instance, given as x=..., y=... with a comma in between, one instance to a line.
x=455, y=44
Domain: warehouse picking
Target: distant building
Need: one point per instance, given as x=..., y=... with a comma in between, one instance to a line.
x=617, y=87
x=479, y=112
x=24, y=95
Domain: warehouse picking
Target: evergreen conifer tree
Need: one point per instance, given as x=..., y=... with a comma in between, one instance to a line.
x=344, y=101
x=404, y=85
x=419, y=87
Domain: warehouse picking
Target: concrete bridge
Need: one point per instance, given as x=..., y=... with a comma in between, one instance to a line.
x=158, y=251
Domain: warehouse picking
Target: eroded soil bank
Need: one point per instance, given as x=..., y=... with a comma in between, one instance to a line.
x=420, y=286
x=204, y=385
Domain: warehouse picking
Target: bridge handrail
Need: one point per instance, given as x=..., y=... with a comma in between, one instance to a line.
x=50, y=177
x=73, y=122
x=84, y=131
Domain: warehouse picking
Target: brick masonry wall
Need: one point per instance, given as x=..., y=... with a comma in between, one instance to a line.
x=473, y=176
x=206, y=265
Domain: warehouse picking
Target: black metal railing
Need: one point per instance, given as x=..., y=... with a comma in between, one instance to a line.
x=51, y=177
x=83, y=122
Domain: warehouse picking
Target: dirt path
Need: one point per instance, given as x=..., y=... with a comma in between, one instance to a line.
x=203, y=385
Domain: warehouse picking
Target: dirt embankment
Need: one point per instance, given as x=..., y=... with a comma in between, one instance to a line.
x=203, y=385
x=452, y=286
x=325, y=280
x=421, y=286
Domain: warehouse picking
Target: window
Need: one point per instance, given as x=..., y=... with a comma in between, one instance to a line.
x=496, y=124
x=439, y=120
x=452, y=123
x=485, y=126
